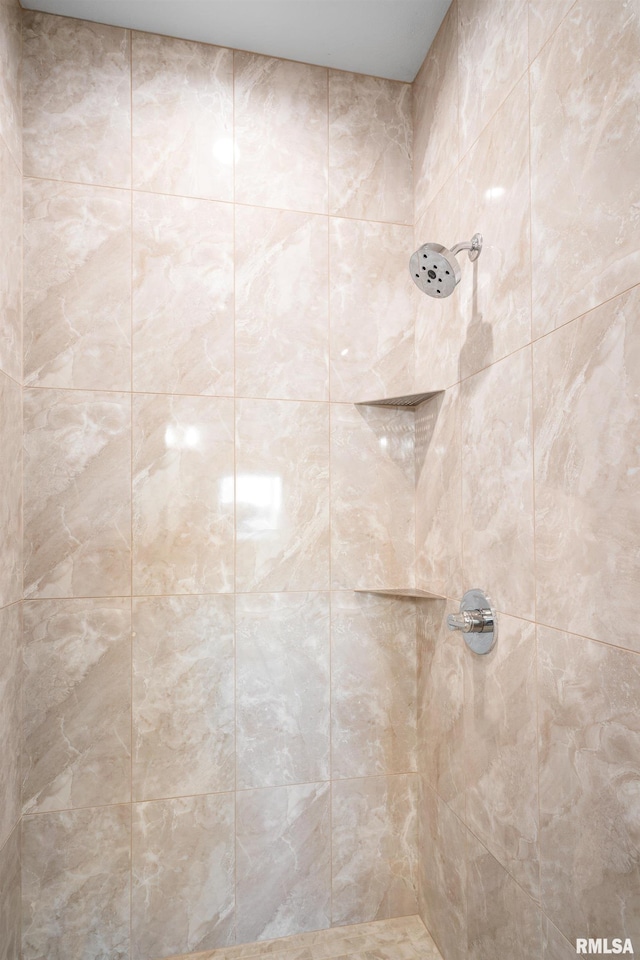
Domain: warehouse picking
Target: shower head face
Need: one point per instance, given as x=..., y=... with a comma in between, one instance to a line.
x=435, y=270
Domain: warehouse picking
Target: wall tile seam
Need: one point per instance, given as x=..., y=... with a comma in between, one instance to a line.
x=191, y=396
x=17, y=163
x=553, y=32
x=28, y=814
x=3, y=373
x=9, y=835
x=227, y=203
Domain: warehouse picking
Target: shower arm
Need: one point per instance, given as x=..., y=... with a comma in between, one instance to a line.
x=474, y=246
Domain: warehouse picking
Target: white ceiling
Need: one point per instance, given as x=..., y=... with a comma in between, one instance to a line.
x=385, y=38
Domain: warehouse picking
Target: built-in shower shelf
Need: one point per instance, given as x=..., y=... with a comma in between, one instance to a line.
x=409, y=592
x=407, y=402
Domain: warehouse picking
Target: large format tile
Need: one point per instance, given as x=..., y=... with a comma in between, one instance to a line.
x=77, y=100
x=182, y=98
x=10, y=905
x=75, y=888
x=492, y=56
x=183, y=874
x=587, y=403
x=372, y=310
x=442, y=840
x=183, y=697
x=585, y=156
x=281, y=140
x=374, y=848
x=372, y=497
x=494, y=199
x=11, y=259
x=182, y=495
x=373, y=685
x=501, y=754
x=182, y=295
x=555, y=946
x=370, y=145
x=435, y=115
x=10, y=718
x=10, y=491
x=589, y=771
x=497, y=484
x=77, y=493
x=282, y=304
x=283, y=861
x=282, y=495
x=77, y=703
x=502, y=921
x=282, y=688
x=11, y=78
x=441, y=733
x=77, y=275
x=438, y=495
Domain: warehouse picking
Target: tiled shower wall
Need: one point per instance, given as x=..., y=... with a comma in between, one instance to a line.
x=219, y=734
x=526, y=130
x=10, y=474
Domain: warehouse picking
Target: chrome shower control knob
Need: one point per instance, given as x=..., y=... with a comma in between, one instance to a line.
x=476, y=620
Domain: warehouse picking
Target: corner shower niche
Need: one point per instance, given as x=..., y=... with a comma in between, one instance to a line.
x=409, y=401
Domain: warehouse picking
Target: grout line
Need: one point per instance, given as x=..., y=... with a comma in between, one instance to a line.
x=235, y=517
x=131, y=452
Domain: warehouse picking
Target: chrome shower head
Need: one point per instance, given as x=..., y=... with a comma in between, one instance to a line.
x=436, y=271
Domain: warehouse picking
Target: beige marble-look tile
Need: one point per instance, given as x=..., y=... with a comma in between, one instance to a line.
x=374, y=848
x=282, y=495
x=497, y=487
x=439, y=495
x=183, y=696
x=77, y=100
x=441, y=680
x=77, y=704
x=372, y=497
x=11, y=259
x=544, y=19
x=10, y=719
x=495, y=291
x=370, y=147
x=10, y=906
x=182, y=495
x=501, y=754
x=11, y=78
x=502, y=921
x=373, y=685
x=492, y=56
x=283, y=838
x=442, y=848
x=555, y=946
x=75, y=887
x=585, y=155
x=436, y=148
x=440, y=324
x=77, y=493
x=282, y=304
x=182, y=98
x=183, y=874
x=586, y=408
x=281, y=140
x=77, y=276
x=182, y=295
x=589, y=772
x=372, y=310
x=10, y=491
x=282, y=685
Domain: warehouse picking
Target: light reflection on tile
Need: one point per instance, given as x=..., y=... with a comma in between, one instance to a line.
x=182, y=495
x=182, y=117
x=282, y=495
x=282, y=688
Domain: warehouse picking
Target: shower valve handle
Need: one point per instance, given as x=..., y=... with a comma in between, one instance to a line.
x=471, y=621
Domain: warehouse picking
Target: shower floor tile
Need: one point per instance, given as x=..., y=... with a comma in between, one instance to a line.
x=403, y=938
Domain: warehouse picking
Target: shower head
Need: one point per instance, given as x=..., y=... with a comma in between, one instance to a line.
x=436, y=271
